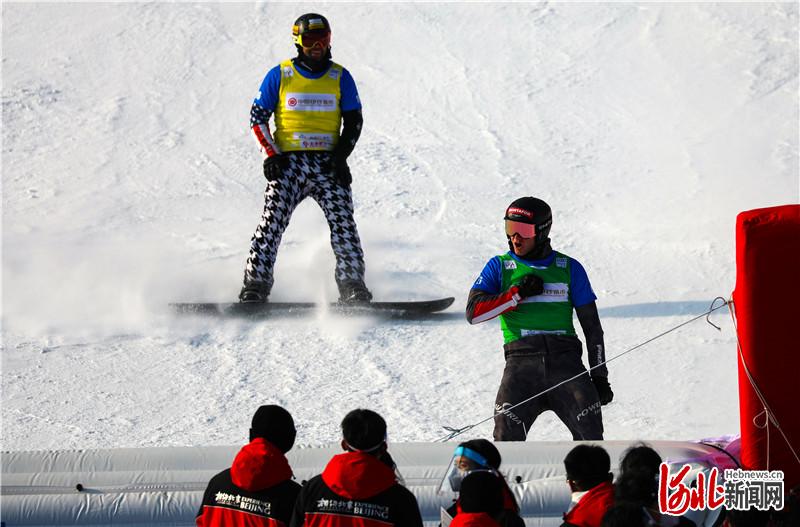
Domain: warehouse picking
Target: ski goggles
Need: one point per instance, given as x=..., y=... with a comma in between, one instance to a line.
x=526, y=230
x=311, y=39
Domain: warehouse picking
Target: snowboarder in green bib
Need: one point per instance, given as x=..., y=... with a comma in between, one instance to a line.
x=534, y=290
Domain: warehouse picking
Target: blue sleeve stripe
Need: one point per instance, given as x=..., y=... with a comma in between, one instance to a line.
x=580, y=288
x=270, y=87
x=350, y=99
x=491, y=277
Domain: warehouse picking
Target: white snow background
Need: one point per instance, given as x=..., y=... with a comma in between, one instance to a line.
x=130, y=180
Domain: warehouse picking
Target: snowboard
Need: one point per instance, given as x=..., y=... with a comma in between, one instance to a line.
x=411, y=308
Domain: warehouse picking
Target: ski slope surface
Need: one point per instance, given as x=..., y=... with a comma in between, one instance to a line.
x=130, y=180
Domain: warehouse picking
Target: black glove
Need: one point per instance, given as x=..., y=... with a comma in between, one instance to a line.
x=274, y=166
x=341, y=170
x=530, y=285
x=603, y=390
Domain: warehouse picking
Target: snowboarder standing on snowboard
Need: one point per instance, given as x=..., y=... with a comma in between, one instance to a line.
x=318, y=121
x=534, y=289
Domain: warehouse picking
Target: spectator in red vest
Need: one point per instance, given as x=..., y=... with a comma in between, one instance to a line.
x=589, y=477
x=359, y=488
x=258, y=489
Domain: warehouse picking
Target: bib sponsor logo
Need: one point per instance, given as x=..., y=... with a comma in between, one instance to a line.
x=311, y=102
x=333, y=74
x=559, y=291
x=510, y=264
x=561, y=262
x=552, y=293
x=314, y=140
x=528, y=332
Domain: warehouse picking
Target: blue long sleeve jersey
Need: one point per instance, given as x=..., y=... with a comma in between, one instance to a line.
x=487, y=300
x=267, y=98
x=580, y=291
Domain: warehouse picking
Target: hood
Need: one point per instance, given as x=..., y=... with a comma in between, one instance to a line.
x=259, y=465
x=592, y=506
x=357, y=475
x=473, y=519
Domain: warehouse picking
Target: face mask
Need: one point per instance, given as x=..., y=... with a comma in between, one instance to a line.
x=457, y=470
x=455, y=479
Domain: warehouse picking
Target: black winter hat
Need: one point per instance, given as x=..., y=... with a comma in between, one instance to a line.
x=274, y=424
x=481, y=491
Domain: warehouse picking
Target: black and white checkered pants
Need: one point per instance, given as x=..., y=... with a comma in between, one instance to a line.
x=306, y=177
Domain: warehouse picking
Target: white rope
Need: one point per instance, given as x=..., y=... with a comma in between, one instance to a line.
x=454, y=432
x=767, y=410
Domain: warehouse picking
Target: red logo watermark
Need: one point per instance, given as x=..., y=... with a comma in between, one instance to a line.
x=675, y=497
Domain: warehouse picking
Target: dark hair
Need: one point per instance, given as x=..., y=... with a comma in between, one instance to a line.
x=485, y=448
x=637, y=481
x=364, y=429
x=481, y=491
x=636, y=486
x=274, y=424
x=640, y=457
x=624, y=515
x=588, y=466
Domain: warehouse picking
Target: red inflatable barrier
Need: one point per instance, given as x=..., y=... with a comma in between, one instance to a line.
x=767, y=307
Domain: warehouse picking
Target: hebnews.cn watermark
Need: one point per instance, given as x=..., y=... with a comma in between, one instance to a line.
x=741, y=490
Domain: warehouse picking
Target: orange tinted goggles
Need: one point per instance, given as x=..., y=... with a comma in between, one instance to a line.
x=526, y=230
x=314, y=38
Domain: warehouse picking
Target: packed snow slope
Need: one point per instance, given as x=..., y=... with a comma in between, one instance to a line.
x=130, y=180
